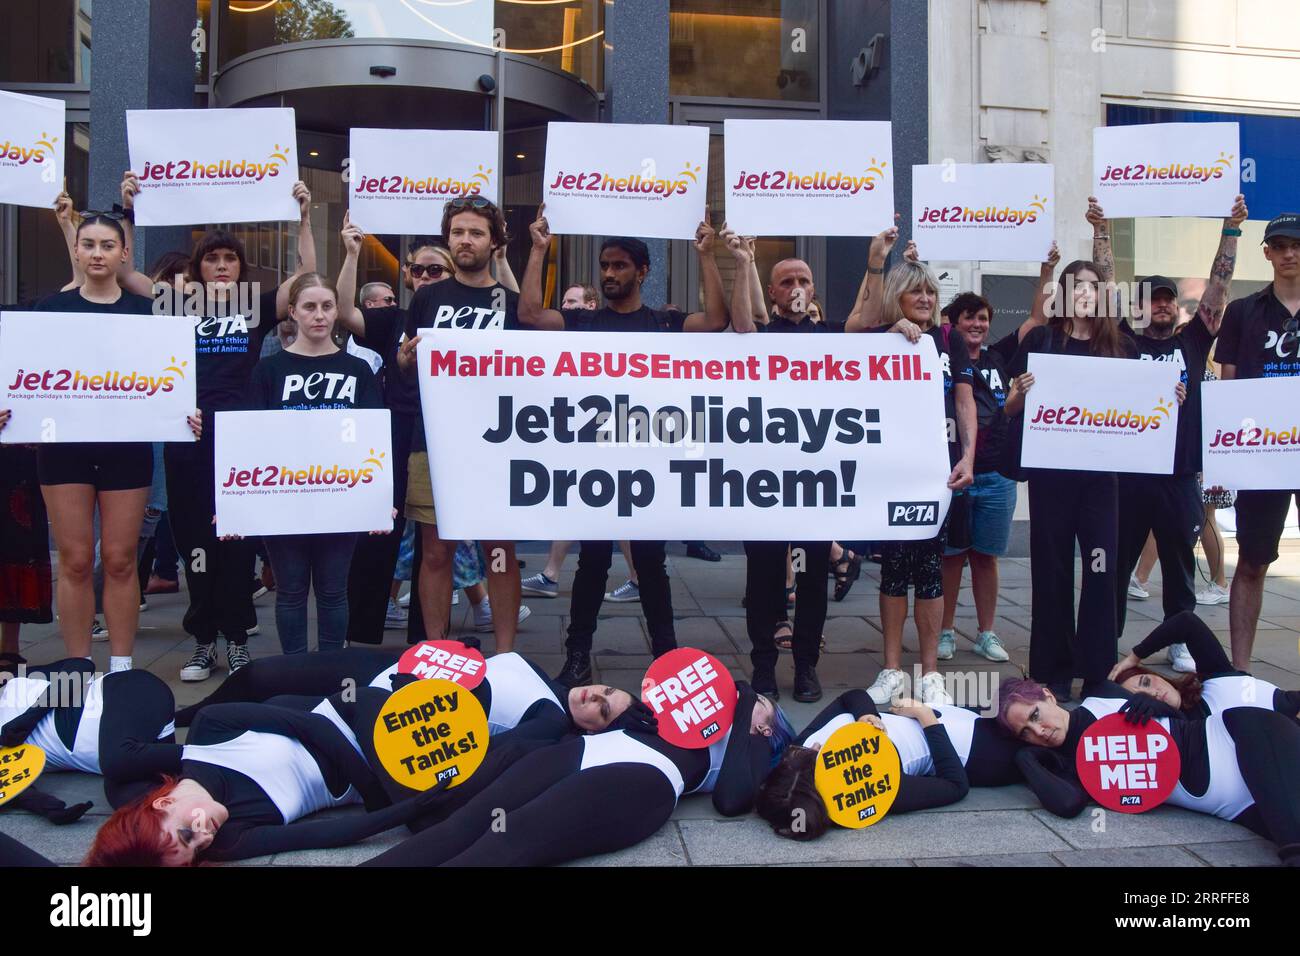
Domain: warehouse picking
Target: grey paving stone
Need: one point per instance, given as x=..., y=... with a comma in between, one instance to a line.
x=72, y=787
x=1241, y=853
x=344, y=855
x=1137, y=857
x=662, y=849
x=706, y=634
x=907, y=836
x=64, y=845
x=1164, y=826
x=996, y=859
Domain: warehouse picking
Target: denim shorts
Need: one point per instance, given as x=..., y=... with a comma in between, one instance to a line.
x=992, y=506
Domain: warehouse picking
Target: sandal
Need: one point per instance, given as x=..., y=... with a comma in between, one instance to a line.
x=784, y=641
x=846, y=571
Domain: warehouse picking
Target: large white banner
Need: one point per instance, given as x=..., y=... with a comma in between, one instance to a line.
x=221, y=165
x=69, y=376
x=31, y=149
x=304, y=472
x=809, y=177
x=1000, y=212
x=1100, y=414
x=1167, y=169
x=574, y=435
x=625, y=179
x=1250, y=433
x=402, y=178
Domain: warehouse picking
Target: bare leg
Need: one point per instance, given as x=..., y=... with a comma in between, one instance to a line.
x=984, y=582
x=893, y=612
x=435, y=581
x=1147, y=561
x=1212, y=538
x=72, y=520
x=476, y=593
x=952, y=569
x=1243, y=609
x=927, y=613
x=503, y=591
x=120, y=515
x=626, y=548
x=555, y=560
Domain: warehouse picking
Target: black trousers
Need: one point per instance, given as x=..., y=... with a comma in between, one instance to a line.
x=765, y=599
x=589, y=584
x=1065, y=506
x=1268, y=756
x=370, y=578
x=217, y=573
x=1170, y=507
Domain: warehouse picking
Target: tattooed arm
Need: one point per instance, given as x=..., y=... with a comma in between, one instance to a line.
x=1101, y=251
x=1215, y=298
x=866, y=310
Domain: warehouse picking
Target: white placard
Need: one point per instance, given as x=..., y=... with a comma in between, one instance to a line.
x=809, y=177
x=32, y=148
x=1100, y=414
x=625, y=179
x=780, y=437
x=998, y=212
x=1250, y=433
x=218, y=165
x=304, y=472
x=75, y=376
x=1167, y=169
x=402, y=178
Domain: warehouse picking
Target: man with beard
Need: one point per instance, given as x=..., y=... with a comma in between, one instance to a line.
x=1169, y=506
x=624, y=265
x=473, y=230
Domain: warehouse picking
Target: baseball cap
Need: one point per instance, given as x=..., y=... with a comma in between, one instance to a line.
x=1287, y=224
x=1152, y=284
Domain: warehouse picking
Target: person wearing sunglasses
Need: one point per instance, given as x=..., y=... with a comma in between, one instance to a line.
x=1260, y=338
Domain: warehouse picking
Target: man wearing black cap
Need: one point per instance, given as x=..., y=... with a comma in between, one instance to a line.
x=1170, y=505
x=624, y=265
x=1261, y=339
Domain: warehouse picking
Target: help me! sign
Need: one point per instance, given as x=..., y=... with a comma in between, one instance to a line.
x=693, y=696
x=1125, y=767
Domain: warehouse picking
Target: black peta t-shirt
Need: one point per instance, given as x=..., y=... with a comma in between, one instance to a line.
x=644, y=319
x=450, y=304
x=1253, y=337
x=225, y=350
x=992, y=383
x=1188, y=350
x=805, y=326
x=72, y=301
x=286, y=380
x=384, y=328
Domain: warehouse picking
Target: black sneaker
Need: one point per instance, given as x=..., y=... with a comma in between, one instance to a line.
x=698, y=549
x=576, y=670
x=807, y=688
x=764, y=682
x=237, y=656
x=201, y=662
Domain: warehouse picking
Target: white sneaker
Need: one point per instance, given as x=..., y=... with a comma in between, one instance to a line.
x=483, y=616
x=1212, y=594
x=1182, y=659
x=98, y=632
x=889, y=684
x=455, y=598
x=1136, y=590
x=933, y=691
x=404, y=599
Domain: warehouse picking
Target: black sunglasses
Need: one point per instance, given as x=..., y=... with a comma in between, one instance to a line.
x=436, y=271
x=473, y=202
x=107, y=214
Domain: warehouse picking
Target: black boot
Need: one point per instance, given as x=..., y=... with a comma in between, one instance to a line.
x=807, y=688
x=764, y=681
x=576, y=670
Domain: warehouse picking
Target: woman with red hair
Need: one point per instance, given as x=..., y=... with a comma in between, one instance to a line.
x=1216, y=686
x=247, y=772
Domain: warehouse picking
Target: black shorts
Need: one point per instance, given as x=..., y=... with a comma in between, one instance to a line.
x=915, y=564
x=109, y=466
x=1261, y=515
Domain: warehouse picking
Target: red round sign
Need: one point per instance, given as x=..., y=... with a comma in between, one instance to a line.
x=1126, y=767
x=444, y=660
x=693, y=696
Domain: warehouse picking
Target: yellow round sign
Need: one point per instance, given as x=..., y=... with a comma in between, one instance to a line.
x=431, y=730
x=857, y=775
x=19, y=768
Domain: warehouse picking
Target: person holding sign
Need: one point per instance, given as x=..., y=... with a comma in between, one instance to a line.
x=312, y=373
x=1215, y=686
x=231, y=318
x=624, y=265
x=1241, y=765
x=1065, y=506
x=248, y=771
x=1170, y=506
x=474, y=230
x=911, y=294
x=76, y=477
x=1260, y=338
x=932, y=772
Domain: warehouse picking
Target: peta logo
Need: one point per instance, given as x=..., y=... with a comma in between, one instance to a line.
x=77, y=909
x=1130, y=800
x=913, y=513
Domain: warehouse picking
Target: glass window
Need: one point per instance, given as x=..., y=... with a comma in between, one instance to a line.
x=752, y=49
x=563, y=35
x=42, y=42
